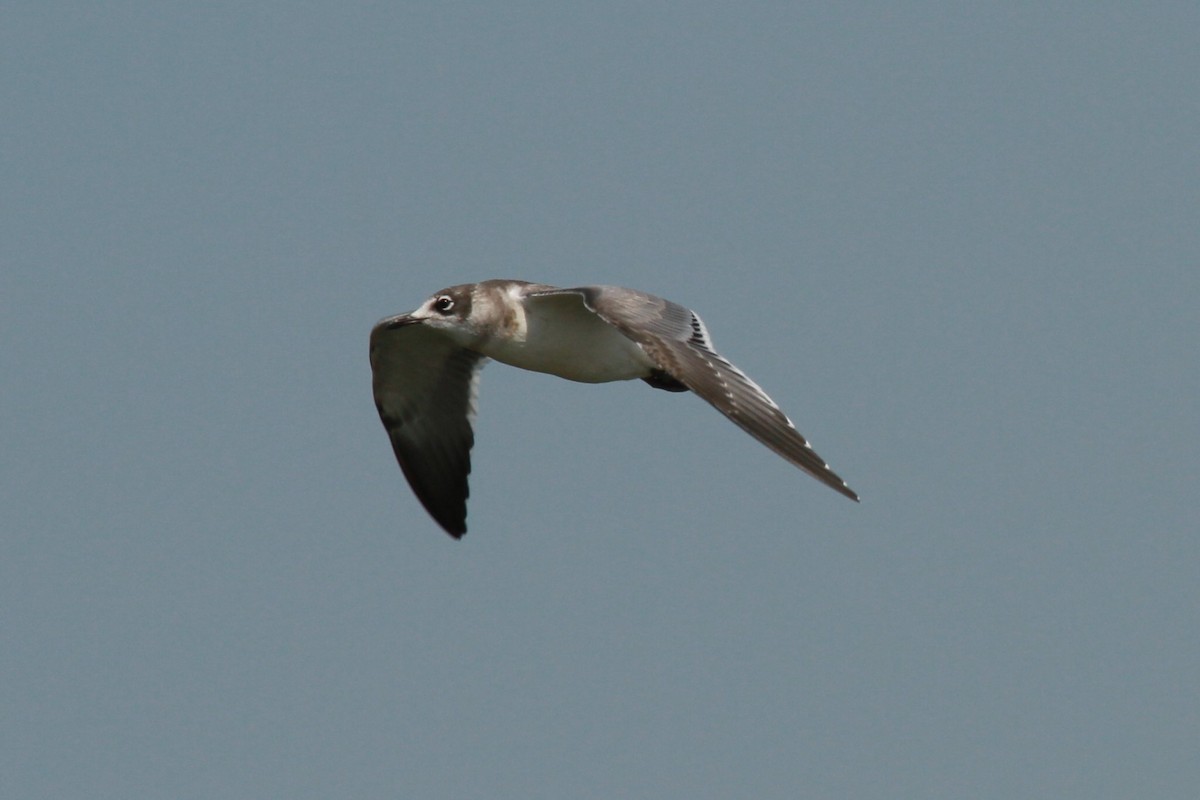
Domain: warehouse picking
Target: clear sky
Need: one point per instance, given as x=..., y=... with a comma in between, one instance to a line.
x=958, y=243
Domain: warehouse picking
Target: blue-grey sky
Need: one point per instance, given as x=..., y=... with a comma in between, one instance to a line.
x=958, y=244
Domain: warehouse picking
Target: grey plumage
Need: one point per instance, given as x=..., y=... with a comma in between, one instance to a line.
x=675, y=337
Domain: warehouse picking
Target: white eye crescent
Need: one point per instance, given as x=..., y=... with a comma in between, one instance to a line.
x=443, y=304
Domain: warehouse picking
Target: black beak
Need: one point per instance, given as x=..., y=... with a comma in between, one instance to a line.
x=400, y=321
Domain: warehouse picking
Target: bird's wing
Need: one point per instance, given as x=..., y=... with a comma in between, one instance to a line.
x=425, y=389
x=676, y=339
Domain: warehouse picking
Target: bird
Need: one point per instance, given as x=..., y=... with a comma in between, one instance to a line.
x=426, y=364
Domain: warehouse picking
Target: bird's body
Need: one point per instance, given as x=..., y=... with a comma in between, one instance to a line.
x=426, y=367
x=549, y=333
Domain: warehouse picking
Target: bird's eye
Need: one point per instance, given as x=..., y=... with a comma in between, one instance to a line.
x=444, y=304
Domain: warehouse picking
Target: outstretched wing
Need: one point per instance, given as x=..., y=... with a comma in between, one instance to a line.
x=425, y=389
x=676, y=339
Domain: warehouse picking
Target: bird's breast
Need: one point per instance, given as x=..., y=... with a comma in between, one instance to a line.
x=578, y=347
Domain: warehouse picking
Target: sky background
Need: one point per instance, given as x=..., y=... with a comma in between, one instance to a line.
x=959, y=244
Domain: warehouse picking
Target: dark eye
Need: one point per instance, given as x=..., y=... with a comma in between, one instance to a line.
x=443, y=304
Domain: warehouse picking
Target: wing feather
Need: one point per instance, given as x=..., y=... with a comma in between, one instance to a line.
x=425, y=389
x=677, y=340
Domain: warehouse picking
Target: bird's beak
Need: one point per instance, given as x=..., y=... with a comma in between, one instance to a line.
x=399, y=321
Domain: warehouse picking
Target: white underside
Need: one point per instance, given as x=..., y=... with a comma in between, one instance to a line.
x=561, y=337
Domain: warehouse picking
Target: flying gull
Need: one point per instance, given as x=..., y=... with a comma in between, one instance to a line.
x=426, y=363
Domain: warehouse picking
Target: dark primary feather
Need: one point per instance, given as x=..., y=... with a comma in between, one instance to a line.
x=425, y=388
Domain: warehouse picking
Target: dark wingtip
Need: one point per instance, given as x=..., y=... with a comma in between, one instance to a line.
x=846, y=490
x=453, y=524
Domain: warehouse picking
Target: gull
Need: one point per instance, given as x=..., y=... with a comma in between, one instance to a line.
x=425, y=369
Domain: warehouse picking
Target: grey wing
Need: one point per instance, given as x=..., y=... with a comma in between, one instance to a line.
x=425, y=389
x=676, y=339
